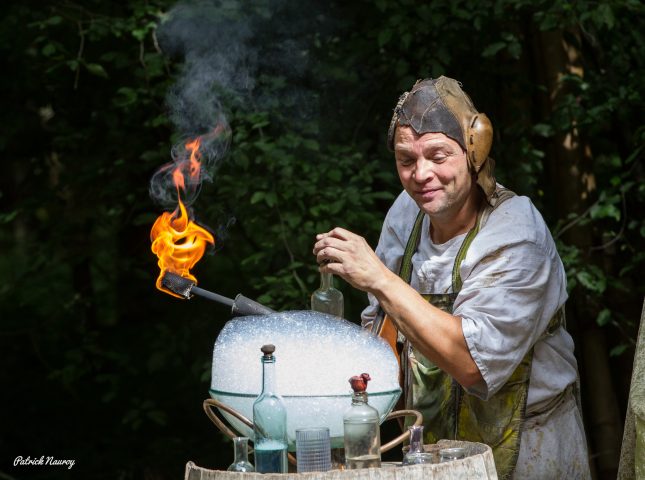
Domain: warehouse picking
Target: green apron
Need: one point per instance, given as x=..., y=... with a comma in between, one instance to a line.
x=449, y=412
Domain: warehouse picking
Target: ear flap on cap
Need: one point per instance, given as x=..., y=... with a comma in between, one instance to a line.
x=486, y=178
x=479, y=140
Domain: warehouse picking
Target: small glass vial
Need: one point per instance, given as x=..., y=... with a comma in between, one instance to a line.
x=269, y=421
x=328, y=299
x=361, y=422
x=241, y=461
x=416, y=455
x=450, y=454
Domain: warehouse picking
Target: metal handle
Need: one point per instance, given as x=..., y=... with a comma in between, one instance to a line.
x=210, y=402
x=243, y=306
x=405, y=435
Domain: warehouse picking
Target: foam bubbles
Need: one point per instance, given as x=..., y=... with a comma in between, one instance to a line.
x=316, y=354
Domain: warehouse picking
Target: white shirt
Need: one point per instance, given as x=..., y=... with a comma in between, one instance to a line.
x=513, y=283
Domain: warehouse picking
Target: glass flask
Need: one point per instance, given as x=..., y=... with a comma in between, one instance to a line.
x=416, y=455
x=362, y=436
x=450, y=454
x=241, y=461
x=269, y=421
x=328, y=299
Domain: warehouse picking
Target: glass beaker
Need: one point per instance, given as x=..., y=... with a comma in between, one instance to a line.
x=313, y=449
x=450, y=454
x=241, y=460
x=416, y=455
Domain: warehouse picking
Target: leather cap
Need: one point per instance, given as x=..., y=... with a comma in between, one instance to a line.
x=440, y=105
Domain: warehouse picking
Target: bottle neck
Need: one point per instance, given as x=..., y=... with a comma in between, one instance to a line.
x=359, y=398
x=241, y=449
x=326, y=281
x=416, y=439
x=268, y=374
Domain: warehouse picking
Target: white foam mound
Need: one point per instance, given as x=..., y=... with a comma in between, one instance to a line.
x=316, y=354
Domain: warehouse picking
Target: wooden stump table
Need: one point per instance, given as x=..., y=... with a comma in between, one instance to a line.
x=478, y=465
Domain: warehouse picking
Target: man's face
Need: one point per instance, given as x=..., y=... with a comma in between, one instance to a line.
x=433, y=170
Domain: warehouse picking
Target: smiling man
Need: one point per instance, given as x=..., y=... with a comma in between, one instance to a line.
x=469, y=275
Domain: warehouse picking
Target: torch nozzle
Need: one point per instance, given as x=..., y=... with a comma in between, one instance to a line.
x=186, y=288
x=178, y=284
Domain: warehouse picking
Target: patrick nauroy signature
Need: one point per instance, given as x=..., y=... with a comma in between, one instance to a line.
x=42, y=460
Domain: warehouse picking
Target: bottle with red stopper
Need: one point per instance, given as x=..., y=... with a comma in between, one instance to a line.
x=361, y=428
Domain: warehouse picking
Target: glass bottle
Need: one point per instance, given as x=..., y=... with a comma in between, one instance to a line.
x=361, y=422
x=269, y=421
x=416, y=454
x=328, y=299
x=241, y=460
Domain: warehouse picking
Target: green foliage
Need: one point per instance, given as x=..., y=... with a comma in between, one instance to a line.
x=301, y=188
x=93, y=350
x=490, y=50
x=84, y=128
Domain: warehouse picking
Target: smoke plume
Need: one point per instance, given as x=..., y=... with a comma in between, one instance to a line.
x=224, y=46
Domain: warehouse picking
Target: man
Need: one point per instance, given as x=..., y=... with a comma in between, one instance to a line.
x=469, y=275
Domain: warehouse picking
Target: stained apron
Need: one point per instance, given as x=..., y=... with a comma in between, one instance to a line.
x=526, y=445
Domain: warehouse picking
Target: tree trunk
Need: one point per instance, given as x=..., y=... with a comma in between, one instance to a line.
x=569, y=165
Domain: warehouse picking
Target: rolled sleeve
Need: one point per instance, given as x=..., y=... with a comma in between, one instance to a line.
x=369, y=313
x=480, y=389
x=505, y=304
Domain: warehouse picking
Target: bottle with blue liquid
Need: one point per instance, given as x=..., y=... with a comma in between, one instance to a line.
x=270, y=421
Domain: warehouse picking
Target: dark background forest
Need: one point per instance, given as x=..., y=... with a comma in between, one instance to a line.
x=101, y=367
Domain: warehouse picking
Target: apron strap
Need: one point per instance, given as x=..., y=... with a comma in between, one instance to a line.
x=461, y=254
x=405, y=271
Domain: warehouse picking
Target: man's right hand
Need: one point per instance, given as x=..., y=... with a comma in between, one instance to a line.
x=349, y=256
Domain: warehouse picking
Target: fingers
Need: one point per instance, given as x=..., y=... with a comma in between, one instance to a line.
x=337, y=232
x=334, y=268
x=338, y=238
x=327, y=254
x=330, y=242
x=331, y=246
x=348, y=256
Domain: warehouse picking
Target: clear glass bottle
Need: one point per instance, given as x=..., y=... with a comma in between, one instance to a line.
x=270, y=421
x=328, y=299
x=361, y=422
x=241, y=461
x=416, y=454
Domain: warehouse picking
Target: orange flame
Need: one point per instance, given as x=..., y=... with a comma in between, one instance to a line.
x=178, y=242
